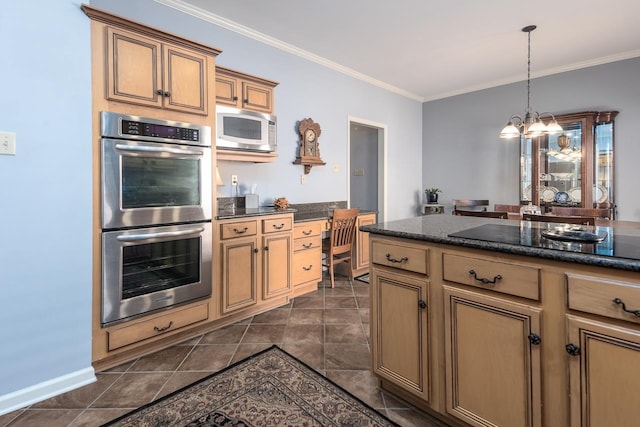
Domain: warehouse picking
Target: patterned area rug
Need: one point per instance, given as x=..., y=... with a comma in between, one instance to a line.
x=270, y=388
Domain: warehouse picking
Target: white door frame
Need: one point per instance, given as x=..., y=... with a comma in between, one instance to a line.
x=382, y=164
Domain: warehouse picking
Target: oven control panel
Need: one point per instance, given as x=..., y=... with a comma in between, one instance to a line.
x=130, y=127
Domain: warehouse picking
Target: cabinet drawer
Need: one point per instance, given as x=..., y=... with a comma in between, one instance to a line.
x=307, y=266
x=276, y=225
x=307, y=243
x=157, y=326
x=596, y=296
x=307, y=229
x=238, y=229
x=512, y=279
x=403, y=257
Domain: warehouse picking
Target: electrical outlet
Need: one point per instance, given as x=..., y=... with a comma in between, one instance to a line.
x=336, y=168
x=303, y=179
x=234, y=179
x=8, y=143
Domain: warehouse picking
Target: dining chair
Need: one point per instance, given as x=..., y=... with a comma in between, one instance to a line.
x=470, y=204
x=582, y=220
x=483, y=214
x=600, y=213
x=507, y=208
x=337, y=247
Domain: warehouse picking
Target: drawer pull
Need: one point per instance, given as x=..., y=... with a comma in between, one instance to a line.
x=422, y=304
x=484, y=279
x=307, y=245
x=278, y=227
x=307, y=268
x=624, y=307
x=155, y=328
x=306, y=233
x=534, y=339
x=572, y=349
x=396, y=261
x=244, y=230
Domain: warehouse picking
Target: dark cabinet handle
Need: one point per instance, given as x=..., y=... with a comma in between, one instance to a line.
x=255, y=250
x=306, y=233
x=484, y=279
x=278, y=227
x=307, y=246
x=307, y=268
x=572, y=349
x=266, y=248
x=624, y=307
x=155, y=328
x=235, y=98
x=534, y=339
x=395, y=260
x=167, y=94
x=244, y=230
x=159, y=92
x=422, y=304
x=246, y=101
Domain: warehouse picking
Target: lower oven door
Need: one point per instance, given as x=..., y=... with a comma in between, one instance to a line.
x=147, y=269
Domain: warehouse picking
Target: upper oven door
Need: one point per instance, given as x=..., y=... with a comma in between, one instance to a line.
x=151, y=184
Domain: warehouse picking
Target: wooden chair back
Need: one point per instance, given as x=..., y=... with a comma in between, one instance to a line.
x=595, y=212
x=337, y=247
x=581, y=220
x=483, y=214
x=507, y=208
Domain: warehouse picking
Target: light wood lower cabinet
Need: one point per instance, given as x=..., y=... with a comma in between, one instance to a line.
x=307, y=256
x=504, y=340
x=360, y=262
x=255, y=260
x=400, y=329
x=492, y=359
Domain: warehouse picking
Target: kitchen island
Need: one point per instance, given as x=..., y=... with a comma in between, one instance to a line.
x=486, y=322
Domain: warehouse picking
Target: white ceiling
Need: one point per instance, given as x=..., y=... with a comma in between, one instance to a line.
x=427, y=49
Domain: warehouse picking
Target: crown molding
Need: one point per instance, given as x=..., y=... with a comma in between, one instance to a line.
x=263, y=38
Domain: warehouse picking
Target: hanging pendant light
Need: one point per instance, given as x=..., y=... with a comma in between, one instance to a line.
x=531, y=125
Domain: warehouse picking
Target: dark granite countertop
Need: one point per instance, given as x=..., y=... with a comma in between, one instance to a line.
x=317, y=215
x=621, y=249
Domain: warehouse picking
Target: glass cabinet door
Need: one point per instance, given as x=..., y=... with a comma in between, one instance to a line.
x=572, y=169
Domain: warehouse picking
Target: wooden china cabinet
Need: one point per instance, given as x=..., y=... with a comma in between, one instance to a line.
x=573, y=168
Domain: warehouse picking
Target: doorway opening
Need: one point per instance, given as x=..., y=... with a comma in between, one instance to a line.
x=366, y=179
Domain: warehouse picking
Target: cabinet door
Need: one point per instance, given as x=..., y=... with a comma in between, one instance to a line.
x=134, y=68
x=277, y=255
x=257, y=97
x=399, y=329
x=603, y=374
x=227, y=91
x=185, y=80
x=362, y=242
x=239, y=273
x=493, y=373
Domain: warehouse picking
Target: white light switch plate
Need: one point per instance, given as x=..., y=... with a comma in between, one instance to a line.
x=8, y=143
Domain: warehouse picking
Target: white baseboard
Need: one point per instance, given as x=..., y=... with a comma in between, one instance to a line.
x=44, y=390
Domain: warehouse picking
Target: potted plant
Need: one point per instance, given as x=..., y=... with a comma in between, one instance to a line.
x=432, y=194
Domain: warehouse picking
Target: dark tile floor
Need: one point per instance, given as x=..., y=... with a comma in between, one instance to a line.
x=327, y=329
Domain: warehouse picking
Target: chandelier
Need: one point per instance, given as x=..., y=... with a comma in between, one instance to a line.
x=531, y=125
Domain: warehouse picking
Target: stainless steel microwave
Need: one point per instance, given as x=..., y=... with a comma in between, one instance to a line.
x=246, y=130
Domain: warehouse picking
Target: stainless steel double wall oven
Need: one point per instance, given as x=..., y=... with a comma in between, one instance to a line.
x=156, y=214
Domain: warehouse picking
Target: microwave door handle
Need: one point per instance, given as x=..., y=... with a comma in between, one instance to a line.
x=140, y=237
x=146, y=149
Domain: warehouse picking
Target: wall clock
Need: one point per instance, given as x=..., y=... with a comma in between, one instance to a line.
x=308, y=150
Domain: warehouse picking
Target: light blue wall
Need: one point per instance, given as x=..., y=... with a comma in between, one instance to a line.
x=306, y=89
x=463, y=155
x=45, y=193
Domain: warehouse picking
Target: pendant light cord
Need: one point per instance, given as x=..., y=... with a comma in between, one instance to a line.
x=529, y=71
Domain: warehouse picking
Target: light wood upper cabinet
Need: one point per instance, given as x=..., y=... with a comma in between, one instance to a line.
x=492, y=360
x=244, y=91
x=603, y=373
x=142, y=70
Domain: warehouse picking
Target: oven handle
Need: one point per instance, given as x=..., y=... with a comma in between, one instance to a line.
x=139, y=237
x=145, y=149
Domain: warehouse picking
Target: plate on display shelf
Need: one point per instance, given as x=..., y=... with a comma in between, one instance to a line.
x=526, y=193
x=575, y=194
x=600, y=194
x=561, y=197
x=548, y=194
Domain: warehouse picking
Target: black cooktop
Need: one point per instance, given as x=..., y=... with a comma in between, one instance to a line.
x=611, y=244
